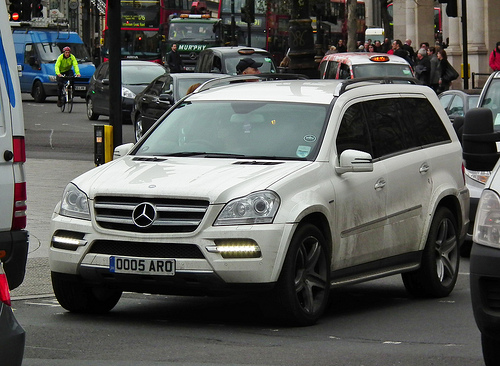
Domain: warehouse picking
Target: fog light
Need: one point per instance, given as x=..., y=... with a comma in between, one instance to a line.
x=68, y=240
x=235, y=248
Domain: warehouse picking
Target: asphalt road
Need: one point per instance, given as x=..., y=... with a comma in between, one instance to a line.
x=374, y=323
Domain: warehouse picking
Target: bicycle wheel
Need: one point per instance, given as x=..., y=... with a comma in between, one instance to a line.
x=70, y=100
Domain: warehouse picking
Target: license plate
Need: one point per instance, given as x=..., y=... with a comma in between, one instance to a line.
x=147, y=266
x=189, y=68
x=80, y=87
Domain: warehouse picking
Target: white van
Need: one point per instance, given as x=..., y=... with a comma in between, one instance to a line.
x=375, y=34
x=13, y=236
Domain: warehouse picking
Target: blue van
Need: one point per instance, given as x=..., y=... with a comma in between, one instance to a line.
x=37, y=49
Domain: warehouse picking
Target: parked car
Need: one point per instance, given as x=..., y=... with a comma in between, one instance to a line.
x=136, y=76
x=360, y=64
x=160, y=95
x=457, y=102
x=283, y=189
x=480, y=138
x=475, y=179
x=223, y=60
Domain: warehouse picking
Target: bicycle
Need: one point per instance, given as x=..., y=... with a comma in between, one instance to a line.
x=67, y=97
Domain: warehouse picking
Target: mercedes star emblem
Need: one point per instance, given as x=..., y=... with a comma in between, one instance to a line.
x=144, y=215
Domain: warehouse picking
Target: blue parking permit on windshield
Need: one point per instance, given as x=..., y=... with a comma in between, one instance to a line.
x=6, y=74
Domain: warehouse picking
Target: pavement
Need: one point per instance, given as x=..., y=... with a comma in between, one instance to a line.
x=46, y=180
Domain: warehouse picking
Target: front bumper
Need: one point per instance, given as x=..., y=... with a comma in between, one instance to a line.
x=485, y=288
x=198, y=268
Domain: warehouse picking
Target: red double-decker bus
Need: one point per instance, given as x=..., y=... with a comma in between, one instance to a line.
x=142, y=24
x=270, y=29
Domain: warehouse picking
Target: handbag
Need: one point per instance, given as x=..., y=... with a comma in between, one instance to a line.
x=450, y=73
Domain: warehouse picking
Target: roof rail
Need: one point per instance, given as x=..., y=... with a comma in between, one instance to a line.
x=345, y=84
x=244, y=78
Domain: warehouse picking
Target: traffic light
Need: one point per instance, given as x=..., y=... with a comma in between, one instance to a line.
x=248, y=12
x=37, y=8
x=15, y=10
x=451, y=7
x=26, y=12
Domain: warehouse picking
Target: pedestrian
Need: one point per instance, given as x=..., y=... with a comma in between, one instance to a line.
x=377, y=46
x=386, y=46
x=248, y=66
x=371, y=48
x=447, y=72
x=397, y=47
x=435, y=72
x=495, y=58
x=192, y=88
x=424, y=45
x=331, y=49
x=366, y=47
x=423, y=67
x=174, y=60
x=341, y=47
x=411, y=52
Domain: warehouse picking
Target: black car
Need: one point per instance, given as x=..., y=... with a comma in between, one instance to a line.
x=136, y=75
x=223, y=60
x=160, y=95
x=457, y=102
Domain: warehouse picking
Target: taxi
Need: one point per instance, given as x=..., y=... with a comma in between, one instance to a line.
x=363, y=64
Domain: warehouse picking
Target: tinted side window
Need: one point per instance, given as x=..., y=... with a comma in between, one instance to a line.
x=101, y=74
x=387, y=133
x=353, y=131
x=425, y=121
x=331, y=72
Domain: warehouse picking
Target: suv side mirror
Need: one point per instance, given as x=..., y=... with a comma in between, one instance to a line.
x=354, y=161
x=479, y=140
x=166, y=98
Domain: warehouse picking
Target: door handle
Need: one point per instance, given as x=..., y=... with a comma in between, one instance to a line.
x=380, y=184
x=424, y=168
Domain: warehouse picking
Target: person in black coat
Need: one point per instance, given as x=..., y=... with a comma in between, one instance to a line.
x=174, y=60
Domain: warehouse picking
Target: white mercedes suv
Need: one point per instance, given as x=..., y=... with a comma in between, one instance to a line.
x=285, y=187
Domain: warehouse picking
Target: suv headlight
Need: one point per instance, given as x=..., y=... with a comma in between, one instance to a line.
x=487, y=224
x=256, y=208
x=480, y=177
x=127, y=93
x=74, y=203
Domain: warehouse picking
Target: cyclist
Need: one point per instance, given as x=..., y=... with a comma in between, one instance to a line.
x=64, y=64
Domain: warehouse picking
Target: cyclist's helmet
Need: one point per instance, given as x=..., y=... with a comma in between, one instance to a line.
x=66, y=49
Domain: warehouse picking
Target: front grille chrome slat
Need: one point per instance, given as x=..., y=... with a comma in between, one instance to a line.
x=152, y=215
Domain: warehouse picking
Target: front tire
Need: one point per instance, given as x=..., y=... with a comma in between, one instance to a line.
x=38, y=93
x=79, y=298
x=303, y=288
x=90, y=110
x=438, y=271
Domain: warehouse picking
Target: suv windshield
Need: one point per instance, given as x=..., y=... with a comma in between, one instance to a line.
x=49, y=52
x=239, y=129
x=490, y=101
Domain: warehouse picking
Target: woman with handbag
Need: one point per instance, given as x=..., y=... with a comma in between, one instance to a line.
x=446, y=71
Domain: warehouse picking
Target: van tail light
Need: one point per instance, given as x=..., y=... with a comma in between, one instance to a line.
x=19, y=214
x=20, y=196
x=4, y=287
x=19, y=149
x=463, y=172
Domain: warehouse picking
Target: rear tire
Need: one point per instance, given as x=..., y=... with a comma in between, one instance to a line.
x=438, y=271
x=38, y=93
x=79, y=298
x=301, y=294
x=90, y=110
